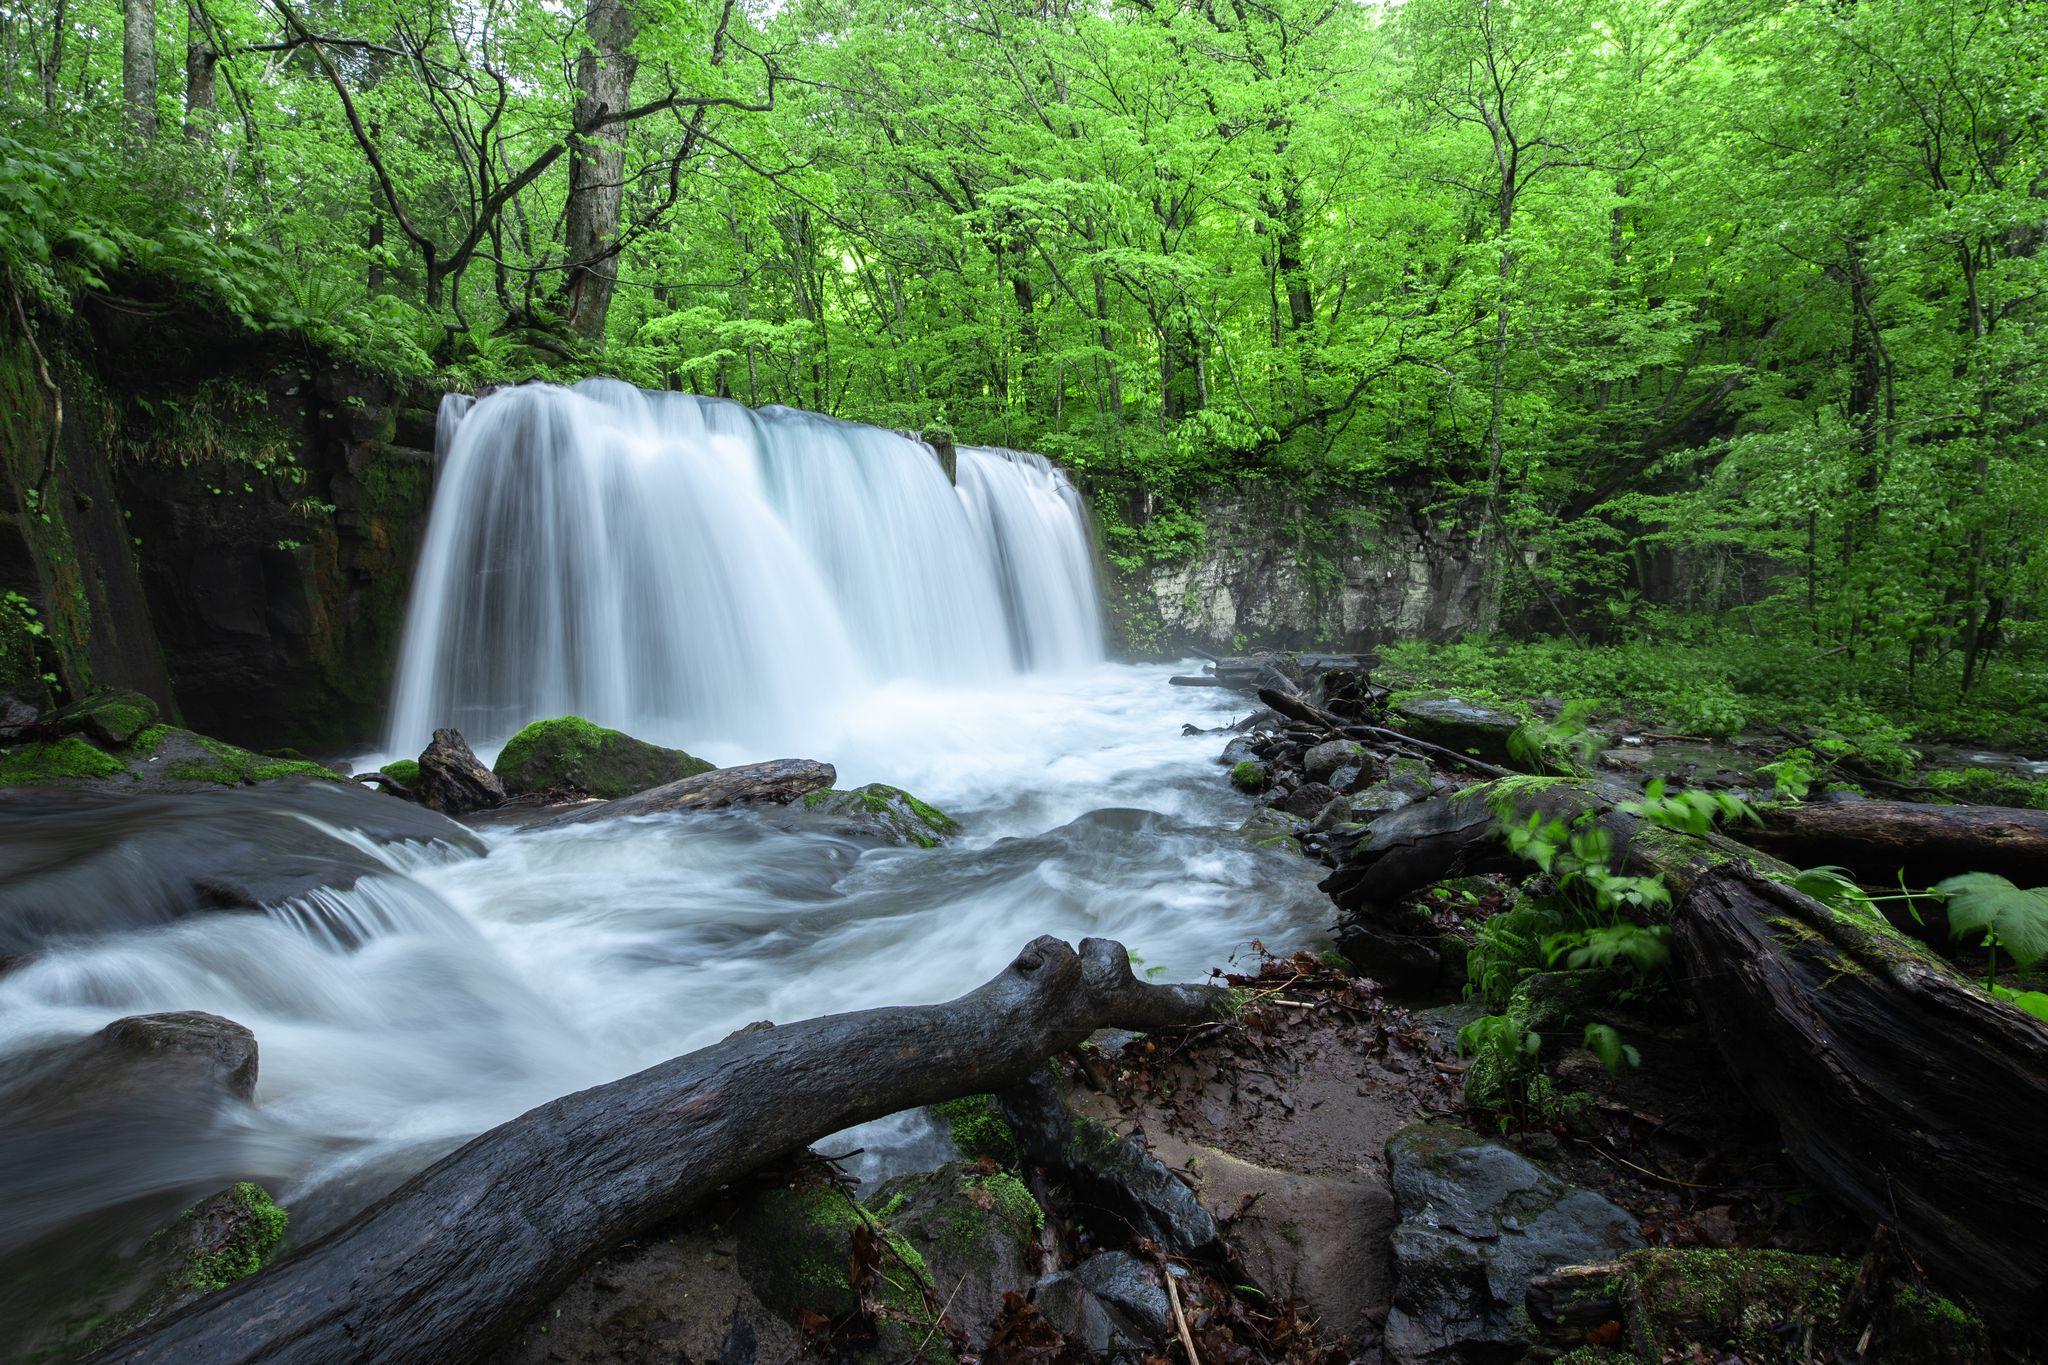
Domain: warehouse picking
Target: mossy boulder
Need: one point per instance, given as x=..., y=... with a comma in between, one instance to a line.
x=570, y=756
x=185, y=756
x=56, y=760
x=879, y=811
x=111, y=719
x=1458, y=724
x=797, y=1244
x=1250, y=776
x=406, y=770
x=223, y=1238
x=974, y=1227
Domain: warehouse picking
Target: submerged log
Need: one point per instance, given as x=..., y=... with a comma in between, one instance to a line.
x=1877, y=840
x=1901, y=1088
x=466, y=1251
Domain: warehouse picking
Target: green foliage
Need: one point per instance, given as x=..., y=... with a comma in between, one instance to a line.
x=1502, y=1054
x=1999, y=914
x=1991, y=787
x=1690, y=812
x=1606, y=1044
x=1564, y=746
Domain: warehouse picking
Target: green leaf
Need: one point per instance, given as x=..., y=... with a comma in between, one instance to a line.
x=1987, y=904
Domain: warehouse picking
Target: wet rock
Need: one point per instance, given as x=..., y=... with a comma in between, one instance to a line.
x=111, y=718
x=1400, y=952
x=974, y=1228
x=677, y=1295
x=1250, y=775
x=1478, y=1221
x=1109, y=1171
x=16, y=717
x=82, y=862
x=453, y=781
x=203, y=1044
x=1461, y=725
x=1111, y=1303
x=883, y=813
x=1306, y=801
x=569, y=756
x=1269, y=828
x=1326, y=758
x=1236, y=752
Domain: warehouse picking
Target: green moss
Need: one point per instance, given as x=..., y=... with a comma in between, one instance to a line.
x=55, y=761
x=795, y=1251
x=226, y=765
x=1249, y=775
x=254, y=1238
x=150, y=740
x=977, y=1129
x=1010, y=1200
x=570, y=754
x=880, y=809
x=406, y=770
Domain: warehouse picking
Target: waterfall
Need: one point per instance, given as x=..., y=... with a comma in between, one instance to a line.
x=678, y=566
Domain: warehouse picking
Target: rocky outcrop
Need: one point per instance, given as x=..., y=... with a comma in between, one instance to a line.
x=1276, y=571
x=219, y=526
x=570, y=757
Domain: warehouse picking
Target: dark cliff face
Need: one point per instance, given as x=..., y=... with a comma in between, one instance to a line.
x=235, y=523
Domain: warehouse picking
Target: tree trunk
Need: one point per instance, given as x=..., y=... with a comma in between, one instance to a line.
x=1875, y=840
x=1902, y=1089
x=138, y=66
x=202, y=100
x=445, y=1266
x=778, y=781
x=597, y=167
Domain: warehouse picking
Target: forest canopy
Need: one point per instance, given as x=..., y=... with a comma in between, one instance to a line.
x=1743, y=296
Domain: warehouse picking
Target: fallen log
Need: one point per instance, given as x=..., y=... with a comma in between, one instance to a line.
x=1195, y=680
x=1297, y=708
x=1901, y=1088
x=1876, y=840
x=442, y=1268
x=776, y=782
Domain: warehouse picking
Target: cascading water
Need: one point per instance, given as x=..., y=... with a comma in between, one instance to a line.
x=683, y=567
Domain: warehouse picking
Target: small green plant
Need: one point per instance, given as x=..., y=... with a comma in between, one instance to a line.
x=1691, y=812
x=1792, y=774
x=1605, y=1043
x=1564, y=746
x=2002, y=915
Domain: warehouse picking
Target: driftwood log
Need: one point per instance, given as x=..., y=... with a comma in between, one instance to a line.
x=1298, y=708
x=1901, y=1088
x=1877, y=839
x=442, y=1268
x=775, y=782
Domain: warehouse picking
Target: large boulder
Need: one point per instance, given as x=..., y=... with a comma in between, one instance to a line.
x=453, y=780
x=974, y=1228
x=1478, y=1222
x=1462, y=725
x=569, y=756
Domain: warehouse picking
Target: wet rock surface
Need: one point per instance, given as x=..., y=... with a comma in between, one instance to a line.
x=89, y=862
x=1478, y=1222
x=1111, y=1304
x=453, y=780
x=880, y=813
x=976, y=1230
